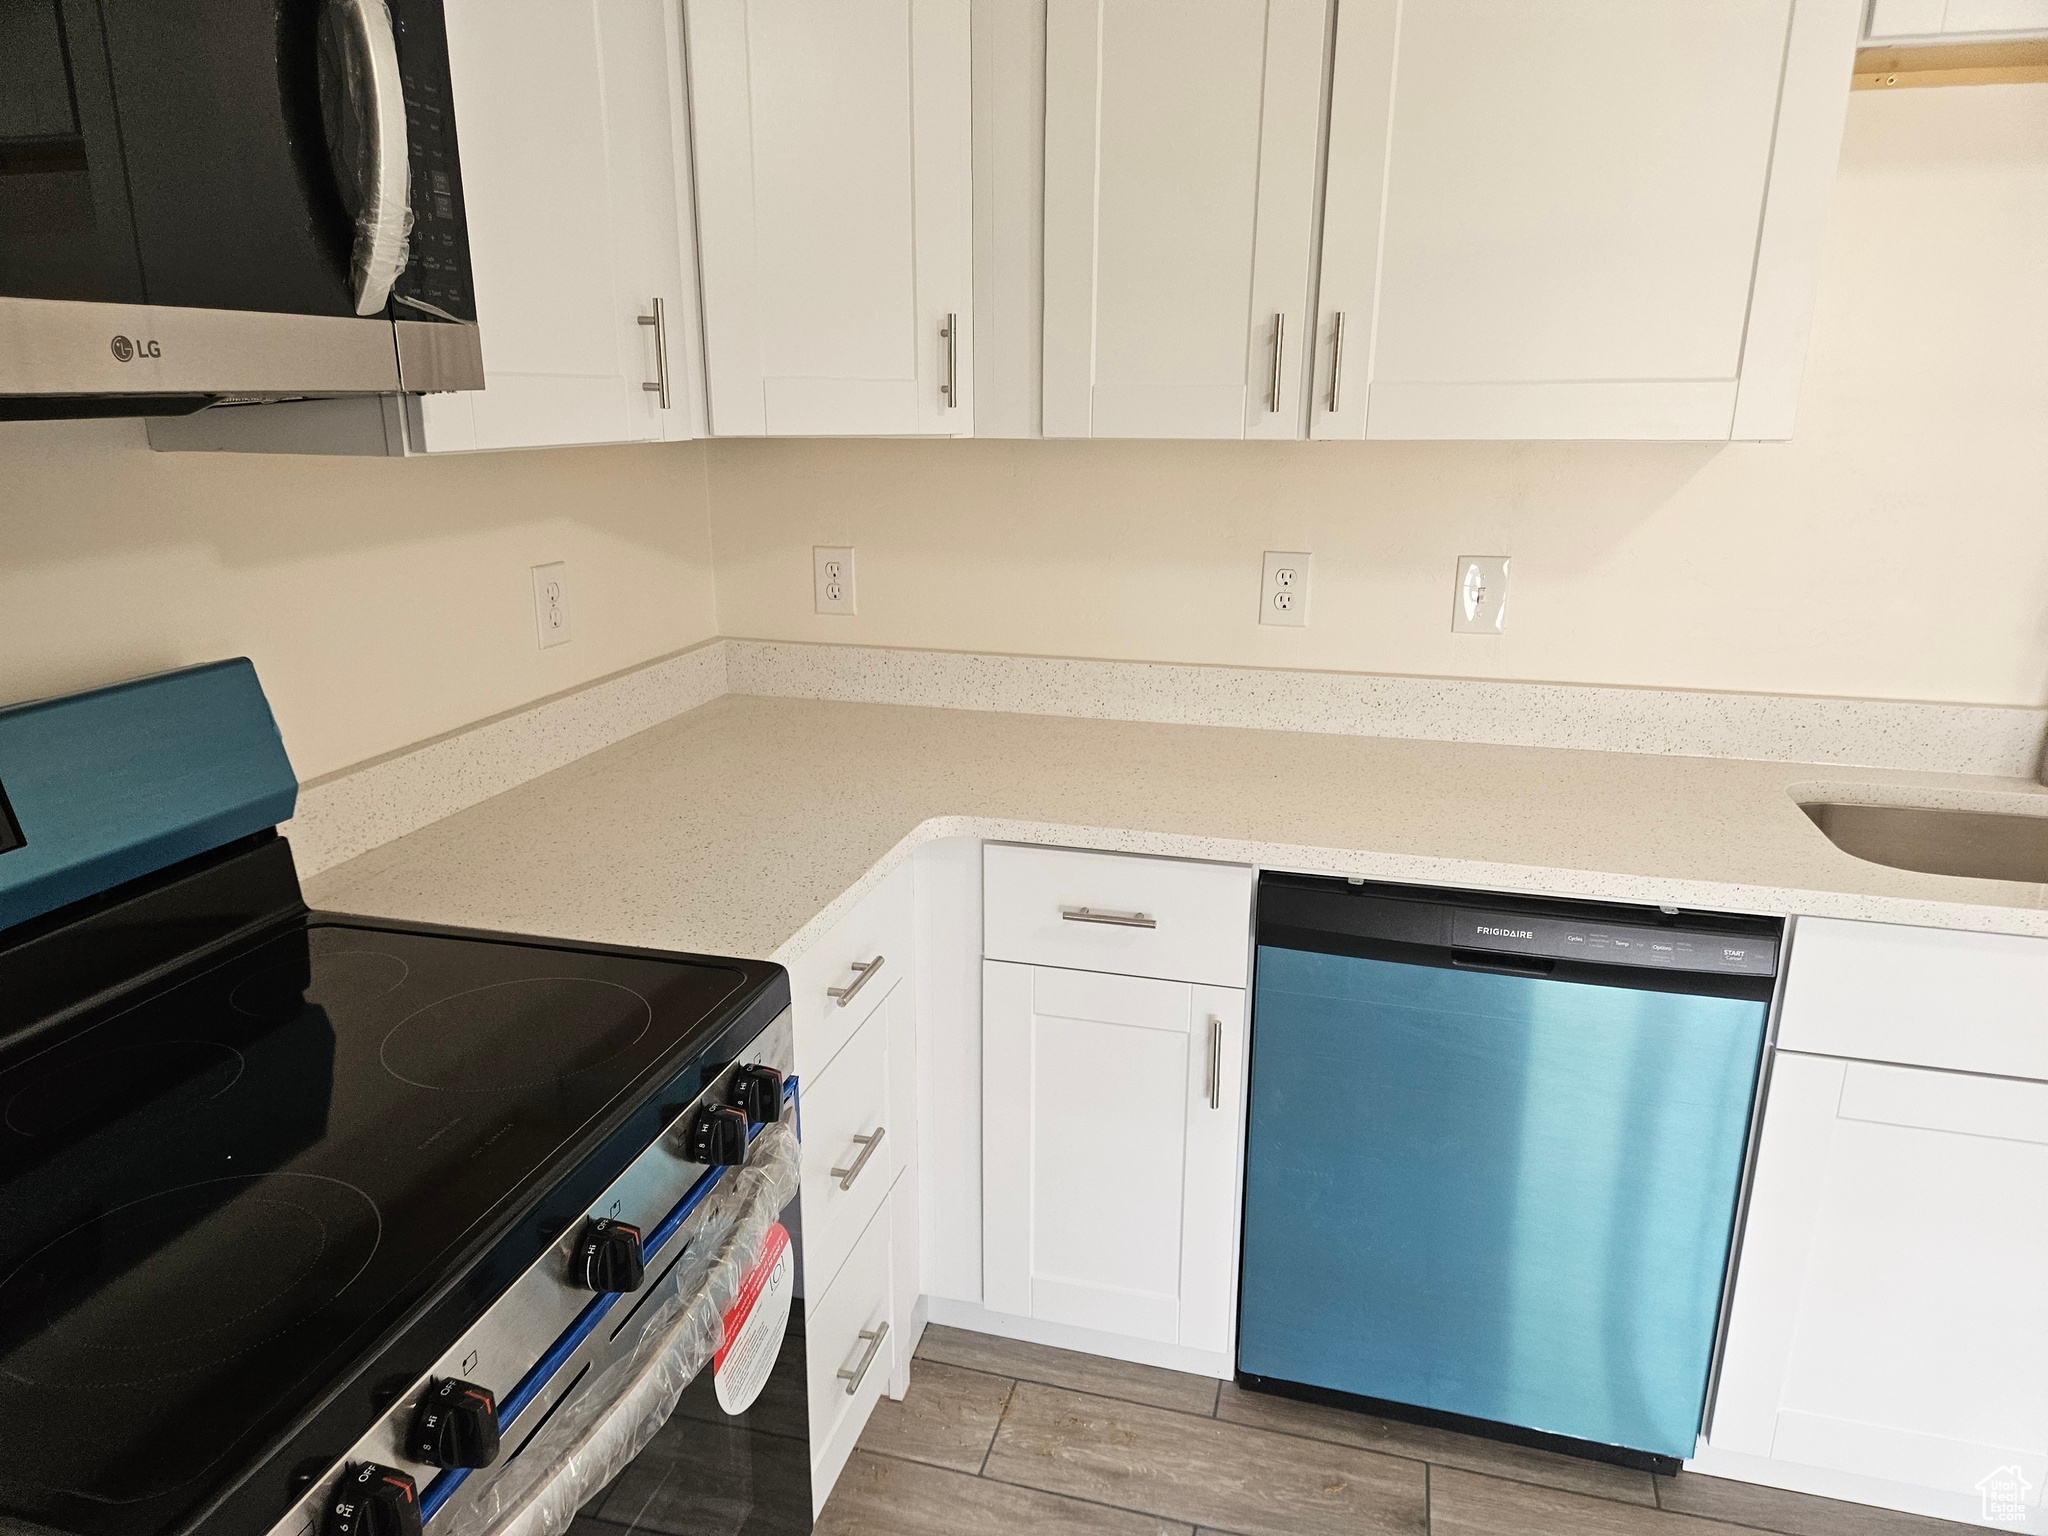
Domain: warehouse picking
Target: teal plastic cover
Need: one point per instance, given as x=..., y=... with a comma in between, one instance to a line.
x=120, y=782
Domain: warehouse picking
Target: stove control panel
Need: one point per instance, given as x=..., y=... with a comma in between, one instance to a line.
x=457, y=1426
x=373, y=1500
x=718, y=1136
x=608, y=1258
x=538, y=1313
x=757, y=1092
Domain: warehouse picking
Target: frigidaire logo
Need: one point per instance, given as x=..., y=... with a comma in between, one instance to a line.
x=126, y=350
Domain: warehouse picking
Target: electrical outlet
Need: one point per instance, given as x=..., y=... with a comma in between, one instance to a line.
x=832, y=578
x=1479, y=601
x=1283, y=594
x=551, y=603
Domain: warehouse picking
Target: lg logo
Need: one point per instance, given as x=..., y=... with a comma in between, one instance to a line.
x=127, y=351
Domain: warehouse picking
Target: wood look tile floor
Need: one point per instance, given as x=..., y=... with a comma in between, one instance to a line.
x=998, y=1437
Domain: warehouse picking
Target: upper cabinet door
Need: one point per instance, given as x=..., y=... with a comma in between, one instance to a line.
x=1596, y=220
x=1180, y=164
x=834, y=214
x=570, y=128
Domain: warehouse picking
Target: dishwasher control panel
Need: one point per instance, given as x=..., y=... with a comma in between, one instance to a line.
x=1665, y=949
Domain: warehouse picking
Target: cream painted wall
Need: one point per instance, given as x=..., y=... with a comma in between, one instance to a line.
x=1898, y=548
x=383, y=601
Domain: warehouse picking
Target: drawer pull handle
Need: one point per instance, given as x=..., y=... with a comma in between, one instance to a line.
x=1114, y=919
x=1215, y=1062
x=867, y=1145
x=859, y=1373
x=867, y=970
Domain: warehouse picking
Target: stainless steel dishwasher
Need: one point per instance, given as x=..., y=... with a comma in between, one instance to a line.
x=1495, y=1151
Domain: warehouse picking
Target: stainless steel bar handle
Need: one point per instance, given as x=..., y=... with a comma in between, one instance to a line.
x=867, y=969
x=1279, y=353
x=1215, y=1062
x=859, y=1373
x=1114, y=919
x=659, y=320
x=1337, y=364
x=867, y=1145
x=951, y=388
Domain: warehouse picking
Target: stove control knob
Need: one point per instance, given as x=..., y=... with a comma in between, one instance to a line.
x=718, y=1136
x=758, y=1091
x=457, y=1426
x=373, y=1501
x=608, y=1257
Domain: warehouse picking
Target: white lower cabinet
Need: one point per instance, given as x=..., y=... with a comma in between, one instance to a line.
x=849, y=1150
x=1112, y=1114
x=1888, y=1339
x=857, y=1075
x=849, y=1350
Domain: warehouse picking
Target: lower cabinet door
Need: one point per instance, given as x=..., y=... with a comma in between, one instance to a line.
x=1889, y=1317
x=1112, y=1112
x=849, y=1347
x=850, y=1144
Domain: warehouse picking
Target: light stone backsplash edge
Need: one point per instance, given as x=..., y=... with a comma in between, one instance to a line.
x=348, y=813
x=343, y=814
x=1936, y=738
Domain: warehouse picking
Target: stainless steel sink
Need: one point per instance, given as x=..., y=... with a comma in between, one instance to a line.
x=1982, y=845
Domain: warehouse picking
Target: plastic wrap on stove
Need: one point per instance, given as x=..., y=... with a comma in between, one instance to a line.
x=611, y=1419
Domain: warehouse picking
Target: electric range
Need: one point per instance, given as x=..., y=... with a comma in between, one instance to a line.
x=298, y=1207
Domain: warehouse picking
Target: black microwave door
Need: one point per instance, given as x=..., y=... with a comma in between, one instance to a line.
x=168, y=152
x=65, y=227
x=234, y=200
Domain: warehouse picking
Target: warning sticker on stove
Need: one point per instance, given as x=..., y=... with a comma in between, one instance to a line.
x=754, y=1325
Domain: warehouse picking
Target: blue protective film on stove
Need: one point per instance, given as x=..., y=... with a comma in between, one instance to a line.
x=120, y=782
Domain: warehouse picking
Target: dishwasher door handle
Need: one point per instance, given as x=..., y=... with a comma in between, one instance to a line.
x=1502, y=965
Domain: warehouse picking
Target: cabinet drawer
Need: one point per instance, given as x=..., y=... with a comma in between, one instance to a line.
x=848, y=1101
x=878, y=929
x=1932, y=997
x=1184, y=921
x=856, y=1304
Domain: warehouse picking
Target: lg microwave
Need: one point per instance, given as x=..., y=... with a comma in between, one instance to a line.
x=214, y=200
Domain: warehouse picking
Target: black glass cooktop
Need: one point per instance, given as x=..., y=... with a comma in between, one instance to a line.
x=212, y=1202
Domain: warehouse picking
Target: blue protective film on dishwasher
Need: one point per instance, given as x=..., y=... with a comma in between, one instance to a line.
x=1505, y=1197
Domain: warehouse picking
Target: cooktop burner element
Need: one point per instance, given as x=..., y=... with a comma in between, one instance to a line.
x=508, y=1035
x=231, y=1264
x=347, y=976
x=161, y=1079
x=212, y=1202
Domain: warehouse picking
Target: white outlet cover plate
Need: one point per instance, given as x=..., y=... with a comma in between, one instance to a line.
x=832, y=578
x=1479, y=597
x=1283, y=590
x=551, y=603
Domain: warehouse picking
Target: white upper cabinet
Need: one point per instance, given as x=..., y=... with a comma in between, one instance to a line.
x=1180, y=160
x=1596, y=220
x=572, y=172
x=833, y=170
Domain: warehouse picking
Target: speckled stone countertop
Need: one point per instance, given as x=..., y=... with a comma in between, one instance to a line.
x=747, y=826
